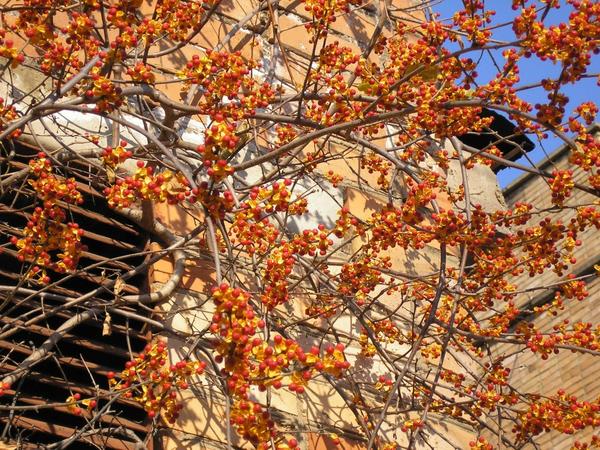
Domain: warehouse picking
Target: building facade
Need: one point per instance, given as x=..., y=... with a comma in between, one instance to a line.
x=323, y=415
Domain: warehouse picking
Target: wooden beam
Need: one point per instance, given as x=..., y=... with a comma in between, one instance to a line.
x=66, y=432
x=100, y=346
x=95, y=279
x=120, y=329
x=105, y=418
x=72, y=387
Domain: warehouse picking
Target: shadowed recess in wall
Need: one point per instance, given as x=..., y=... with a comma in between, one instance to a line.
x=80, y=362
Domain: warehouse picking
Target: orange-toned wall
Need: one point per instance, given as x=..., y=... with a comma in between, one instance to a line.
x=202, y=423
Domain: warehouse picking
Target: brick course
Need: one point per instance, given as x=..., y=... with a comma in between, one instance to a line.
x=576, y=373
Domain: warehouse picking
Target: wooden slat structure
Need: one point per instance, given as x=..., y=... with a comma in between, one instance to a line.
x=82, y=359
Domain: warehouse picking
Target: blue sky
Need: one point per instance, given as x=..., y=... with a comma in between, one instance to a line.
x=531, y=70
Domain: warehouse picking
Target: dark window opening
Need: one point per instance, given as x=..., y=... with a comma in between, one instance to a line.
x=80, y=362
x=502, y=133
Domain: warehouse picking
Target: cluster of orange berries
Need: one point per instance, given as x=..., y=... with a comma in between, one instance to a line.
x=8, y=113
x=415, y=62
x=587, y=216
x=406, y=56
x=480, y=444
x=334, y=178
x=538, y=343
x=389, y=446
x=472, y=22
x=178, y=17
x=588, y=112
x=430, y=350
x=216, y=202
x=478, y=159
x=322, y=306
x=419, y=196
x=253, y=423
x=374, y=163
x=285, y=134
x=582, y=335
x=218, y=170
x=254, y=235
x=3, y=388
x=282, y=258
x=47, y=229
x=223, y=74
x=384, y=384
x=361, y=277
x=594, y=443
x=141, y=73
x=278, y=198
x=112, y=157
x=561, y=185
x=336, y=58
x=416, y=153
x=249, y=360
x=234, y=319
x=324, y=13
x=587, y=153
x=252, y=228
x=145, y=184
x=490, y=397
x=501, y=321
x=312, y=242
x=78, y=35
x=80, y=25
x=571, y=43
x=576, y=289
x=166, y=186
x=48, y=186
x=58, y=56
x=542, y=249
x=563, y=413
x=74, y=401
x=411, y=425
x=552, y=112
x=448, y=226
x=38, y=31
x=108, y=96
x=279, y=267
x=367, y=348
x=151, y=381
x=520, y=214
x=344, y=222
x=432, y=112
x=219, y=140
x=8, y=50
x=336, y=104
x=150, y=28
x=43, y=234
x=454, y=378
x=388, y=228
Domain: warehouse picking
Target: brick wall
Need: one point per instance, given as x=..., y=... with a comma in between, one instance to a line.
x=573, y=372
